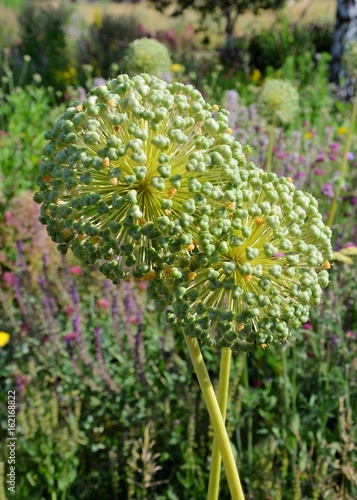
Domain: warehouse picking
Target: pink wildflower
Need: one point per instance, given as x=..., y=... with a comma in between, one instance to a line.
x=142, y=285
x=8, y=216
x=318, y=171
x=8, y=278
x=327, y=190
x=320, y=157
x=69, y=311
x=103, y=303
x=76, y=270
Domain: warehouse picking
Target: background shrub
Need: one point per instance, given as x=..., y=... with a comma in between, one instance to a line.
x=43, y=29
x=271, y=47
x=106, y=42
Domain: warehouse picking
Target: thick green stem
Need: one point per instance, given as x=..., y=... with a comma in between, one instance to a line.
x=222, y=399
x=344, y=163
x=270, y=148
x=220, y=432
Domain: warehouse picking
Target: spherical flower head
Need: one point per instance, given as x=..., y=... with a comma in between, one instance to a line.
x=350, y=58
x=127, y=171
x=147, y=55
x=260, y=263
x=278, y=101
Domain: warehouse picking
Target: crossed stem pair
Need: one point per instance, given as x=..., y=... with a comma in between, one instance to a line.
x=217, y=407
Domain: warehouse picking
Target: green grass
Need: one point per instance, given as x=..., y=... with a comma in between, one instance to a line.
x=16, y=4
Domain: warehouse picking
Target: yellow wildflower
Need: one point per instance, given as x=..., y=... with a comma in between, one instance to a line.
x=256, y=76
x=177, y=68
x=4, y=338
x=98, y=20
x=341, y=130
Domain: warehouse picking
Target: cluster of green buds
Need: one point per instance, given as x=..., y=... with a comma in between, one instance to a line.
x=278, y=101
x=126, y=170
x=146, y=55
x=258, y=265
x=146, y=178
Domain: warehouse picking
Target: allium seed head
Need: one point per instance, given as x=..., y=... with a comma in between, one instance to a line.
x=257, y=268
x=278, y=100
x=128, y=171
x=146, y=55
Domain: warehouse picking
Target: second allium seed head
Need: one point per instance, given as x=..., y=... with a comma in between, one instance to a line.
x=259, y=264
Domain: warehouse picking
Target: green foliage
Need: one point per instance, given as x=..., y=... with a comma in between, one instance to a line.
x=229, y=10
x=44, y=39
x=106, y=42
x=311, y=78
x=20, y=142
x=290, y=415
x=122, y=370
x=13, y=3
x=209, y=6
x=51, y=437
x=350, y=59
x=271, y=48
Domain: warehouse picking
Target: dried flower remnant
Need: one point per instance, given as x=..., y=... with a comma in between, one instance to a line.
x=127, y=171
x=258, y=267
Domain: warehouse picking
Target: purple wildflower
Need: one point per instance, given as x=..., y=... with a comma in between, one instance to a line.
x=320, y=157
x=327, y=190
x=318, y=171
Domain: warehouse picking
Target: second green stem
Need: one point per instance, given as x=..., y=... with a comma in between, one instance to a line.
x=270, y=148
x=222, y=399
